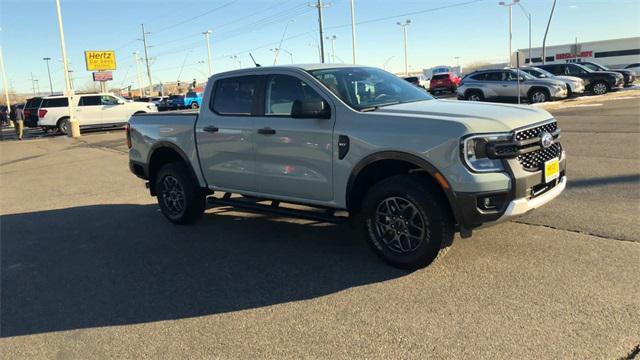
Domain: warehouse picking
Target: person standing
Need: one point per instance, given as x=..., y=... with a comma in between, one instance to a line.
x=17, y=116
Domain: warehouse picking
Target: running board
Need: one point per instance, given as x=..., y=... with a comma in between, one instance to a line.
x=273, y=207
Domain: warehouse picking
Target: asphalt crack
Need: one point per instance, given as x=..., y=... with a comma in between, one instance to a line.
x=575, y=231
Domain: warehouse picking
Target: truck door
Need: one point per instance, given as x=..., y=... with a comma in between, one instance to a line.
x=225, y=134
x=293, y=156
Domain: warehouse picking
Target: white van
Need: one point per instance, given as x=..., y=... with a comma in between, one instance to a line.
x=91, y=110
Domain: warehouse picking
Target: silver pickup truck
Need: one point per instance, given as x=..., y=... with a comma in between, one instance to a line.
x=350, y=143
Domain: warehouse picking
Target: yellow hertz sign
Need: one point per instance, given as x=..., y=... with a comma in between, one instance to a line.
x=100, y=60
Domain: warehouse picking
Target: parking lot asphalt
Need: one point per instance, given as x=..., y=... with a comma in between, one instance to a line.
x=90, y=269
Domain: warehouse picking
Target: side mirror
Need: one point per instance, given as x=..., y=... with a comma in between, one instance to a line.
x=310, y=110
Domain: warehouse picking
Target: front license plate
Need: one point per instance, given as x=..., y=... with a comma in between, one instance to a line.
x=551, y=170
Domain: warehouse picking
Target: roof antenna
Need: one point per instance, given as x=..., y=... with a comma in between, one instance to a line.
x=254, y=61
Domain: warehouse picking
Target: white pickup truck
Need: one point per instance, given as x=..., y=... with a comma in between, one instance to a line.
x=408, y=169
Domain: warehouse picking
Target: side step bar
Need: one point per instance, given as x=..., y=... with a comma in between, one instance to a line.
x=265, y=206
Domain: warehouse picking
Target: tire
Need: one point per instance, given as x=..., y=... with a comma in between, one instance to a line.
x=538, y=96
x=180, y=198
x=474, y=95
x=194, y=105
x=599, y=88
x=405, y=208
x=64, y=126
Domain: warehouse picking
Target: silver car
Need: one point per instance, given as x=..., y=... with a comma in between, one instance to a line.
x=575, y=85
x=502, y=84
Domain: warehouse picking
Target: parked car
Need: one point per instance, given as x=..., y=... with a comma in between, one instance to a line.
x=629, y=76
x=418, y=80
x=406, y=168
x=635, y=67
x=575, y=85
x=191, y=100
x=597, y=82
x=502, y=85
x=444, y=82
x=31, y=111
x=91, y=110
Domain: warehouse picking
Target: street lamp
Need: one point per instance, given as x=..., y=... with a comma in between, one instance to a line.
x=207, y=34
x=276, y=50
x=333, y=47
x=404, y=31
x=235, y=58
x=528, y=15
x=74, y=125
x=275, y=59
x=47, y=59
x=384, y=65
x=508, y=6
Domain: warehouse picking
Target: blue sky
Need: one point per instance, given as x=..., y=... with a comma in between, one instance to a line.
x=474, y=30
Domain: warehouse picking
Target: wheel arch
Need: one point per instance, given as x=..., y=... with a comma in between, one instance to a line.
x=376, y=167
x=473, y=90
x=162, y=153
x=538, y=87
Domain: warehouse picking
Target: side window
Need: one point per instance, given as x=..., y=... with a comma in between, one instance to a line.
x=494, y=76
x=55, y=102
x=108, y=100
x=480, y=77
x=90, y=101
x=508, y=76
x=234, y=96
x=573, y=70
x=283, y=90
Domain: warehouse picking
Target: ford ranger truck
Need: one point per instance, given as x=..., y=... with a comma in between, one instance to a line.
x=350, y=143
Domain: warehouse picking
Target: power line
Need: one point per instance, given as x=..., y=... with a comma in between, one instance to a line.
x=196, y=17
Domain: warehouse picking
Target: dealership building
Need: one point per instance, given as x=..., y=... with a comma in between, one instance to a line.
x=614, y=53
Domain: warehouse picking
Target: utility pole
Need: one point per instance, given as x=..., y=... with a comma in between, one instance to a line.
x=333, y=47
x=137, y=60
x=146, y=58
x=544, y=41
x=320, y=6
x=47, y=59
x=33, y=85
x=207, y=35
x=404, y=30
x=353, y=32
x=73, y=122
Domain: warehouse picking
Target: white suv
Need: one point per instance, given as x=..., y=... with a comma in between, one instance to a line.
x=91, y=110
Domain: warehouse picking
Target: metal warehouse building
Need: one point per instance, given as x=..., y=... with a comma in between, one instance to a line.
x=614, y=53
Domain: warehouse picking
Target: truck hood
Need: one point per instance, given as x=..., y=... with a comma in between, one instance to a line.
x=478, y=117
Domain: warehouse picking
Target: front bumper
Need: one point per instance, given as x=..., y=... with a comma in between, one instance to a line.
x=527, y=191
x=559, y=94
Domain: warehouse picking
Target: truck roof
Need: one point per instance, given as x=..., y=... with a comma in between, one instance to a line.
x=305, y=67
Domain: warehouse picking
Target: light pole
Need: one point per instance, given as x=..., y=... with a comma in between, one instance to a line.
x=74, y=125
x=508, y=6
x=275, y=59
x=236, y=58
x=333, y=47
x=5, y=83
x=528, y=15
x=285, y=50
x=207, y=34
x=404, y=31
x=47, y=59
x=544, y=40
x=384, y=65
x=353, y=31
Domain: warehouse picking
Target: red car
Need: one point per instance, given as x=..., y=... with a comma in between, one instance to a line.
x=444, y=82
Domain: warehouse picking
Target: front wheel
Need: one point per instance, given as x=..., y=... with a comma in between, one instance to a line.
x=599, y=88
x=474, y=96
x=180, y=198
x=406, y=222
x=538, y=96
x=194, y=105
x=64, y=126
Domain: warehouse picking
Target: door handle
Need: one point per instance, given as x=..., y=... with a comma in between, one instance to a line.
x=266, y=131
x=210, y=129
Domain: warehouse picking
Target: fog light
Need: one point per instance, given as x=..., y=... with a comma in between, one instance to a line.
x=490, y=203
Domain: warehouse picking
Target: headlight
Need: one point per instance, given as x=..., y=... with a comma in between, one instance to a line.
x=474, y=152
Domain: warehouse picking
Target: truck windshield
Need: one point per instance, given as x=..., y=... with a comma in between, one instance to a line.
x=369, y=88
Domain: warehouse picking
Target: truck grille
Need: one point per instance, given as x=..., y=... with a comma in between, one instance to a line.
x=534, y=160
x=536, y=131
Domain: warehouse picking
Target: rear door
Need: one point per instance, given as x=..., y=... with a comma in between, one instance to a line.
x=89, y=110
x=225, y=134
x=294, y=157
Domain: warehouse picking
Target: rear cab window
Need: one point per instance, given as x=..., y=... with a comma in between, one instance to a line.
x=235, y=95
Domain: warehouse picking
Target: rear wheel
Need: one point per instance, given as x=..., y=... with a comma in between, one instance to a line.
x=405, y=222
x=180, y=198
x=474, y=96
x=194, y=105
x=64, y=126
x=599, y=88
